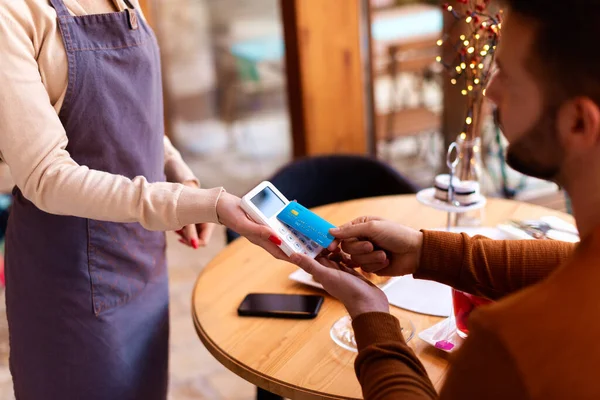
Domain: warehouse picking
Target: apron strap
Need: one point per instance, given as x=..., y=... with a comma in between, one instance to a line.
x=60, y=8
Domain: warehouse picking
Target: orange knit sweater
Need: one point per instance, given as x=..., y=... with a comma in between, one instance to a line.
x=539, y=341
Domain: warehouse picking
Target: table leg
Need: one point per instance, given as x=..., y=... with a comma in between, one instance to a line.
x=262, y=394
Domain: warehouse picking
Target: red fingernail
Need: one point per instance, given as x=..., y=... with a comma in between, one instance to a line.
x=195, y=244
x=275, y=240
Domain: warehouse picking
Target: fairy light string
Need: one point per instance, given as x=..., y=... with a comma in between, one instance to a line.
x=470, y=65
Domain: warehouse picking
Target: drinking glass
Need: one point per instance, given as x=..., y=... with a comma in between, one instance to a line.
x=464, y=304
x=343, y=335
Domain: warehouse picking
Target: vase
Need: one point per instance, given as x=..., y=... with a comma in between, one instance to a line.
x=470, y=164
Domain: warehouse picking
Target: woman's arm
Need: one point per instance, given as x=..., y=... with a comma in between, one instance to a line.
x=33, y=143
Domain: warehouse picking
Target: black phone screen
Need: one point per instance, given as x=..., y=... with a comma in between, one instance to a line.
x=268, y=202
x=280, y=305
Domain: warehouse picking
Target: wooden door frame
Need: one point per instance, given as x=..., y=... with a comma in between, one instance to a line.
x=454, y=104
x=305, y=35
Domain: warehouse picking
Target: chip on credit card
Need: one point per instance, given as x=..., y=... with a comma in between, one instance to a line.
x=307, y=223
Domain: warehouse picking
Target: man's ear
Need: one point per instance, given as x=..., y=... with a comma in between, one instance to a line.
x=578, y=124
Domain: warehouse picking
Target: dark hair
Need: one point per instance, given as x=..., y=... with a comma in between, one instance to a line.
x=565, y=54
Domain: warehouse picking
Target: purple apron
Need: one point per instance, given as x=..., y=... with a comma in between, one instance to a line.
x=87, y=301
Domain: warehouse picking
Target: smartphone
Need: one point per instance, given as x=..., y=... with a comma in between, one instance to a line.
x=292, y=306
x=263, y=204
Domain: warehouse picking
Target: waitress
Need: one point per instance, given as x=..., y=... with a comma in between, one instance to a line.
x=81, y=129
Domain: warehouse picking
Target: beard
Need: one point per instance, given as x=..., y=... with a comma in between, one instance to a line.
x=537, y=152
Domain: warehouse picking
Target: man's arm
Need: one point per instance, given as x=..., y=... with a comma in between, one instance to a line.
x=476, y=265
x=491, y=268
x=388, y=369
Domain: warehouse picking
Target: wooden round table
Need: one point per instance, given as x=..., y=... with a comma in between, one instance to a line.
x=297, y=359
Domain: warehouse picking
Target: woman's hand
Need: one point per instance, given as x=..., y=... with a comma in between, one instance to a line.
x=231, y=215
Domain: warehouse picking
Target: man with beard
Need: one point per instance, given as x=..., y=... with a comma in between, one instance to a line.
x=540, y=339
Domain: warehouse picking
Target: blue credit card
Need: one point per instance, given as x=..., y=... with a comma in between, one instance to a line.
x=307, y=223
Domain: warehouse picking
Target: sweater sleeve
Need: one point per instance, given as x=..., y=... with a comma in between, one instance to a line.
x=386, y=367
x=486, y=267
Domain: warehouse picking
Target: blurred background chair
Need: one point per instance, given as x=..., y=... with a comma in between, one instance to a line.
x=406, y=75
x=318, y=181
x=408, y=114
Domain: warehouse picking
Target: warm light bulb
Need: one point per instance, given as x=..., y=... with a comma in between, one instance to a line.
x=484, y=24
x=458, y=69
x=472, y=66
x=463, y=66
x=483, y=53
x=484, y=91
x=441, y=42
x=476, y=81
x=449, y=8
x=481, y=66
x=453, y=81
x=469, y=120
x=470, y=88
x=462, y=37
x=471, y=50
x=464, y=92
x=463, y=136
x=466, y=43
x=478, y=36
x=438, y=59
x=475, y=149
x=469, y=19
x=486, y=47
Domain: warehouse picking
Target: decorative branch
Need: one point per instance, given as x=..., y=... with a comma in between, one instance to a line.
x=471, y=65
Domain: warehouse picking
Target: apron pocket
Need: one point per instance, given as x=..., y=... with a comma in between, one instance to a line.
x=123, y=259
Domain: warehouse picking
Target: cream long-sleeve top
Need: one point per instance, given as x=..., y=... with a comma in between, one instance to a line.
x=33, y=83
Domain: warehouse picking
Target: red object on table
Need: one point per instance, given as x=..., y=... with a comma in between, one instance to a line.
x=464, y=304
x=2, y=279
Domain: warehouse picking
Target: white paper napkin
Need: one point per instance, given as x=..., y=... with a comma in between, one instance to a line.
x=424, y=297
x=443, y=336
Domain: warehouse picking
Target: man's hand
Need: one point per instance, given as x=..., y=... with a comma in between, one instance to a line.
x=358, y=294
x=231, y=215
x=382, y=247
x=198, y=235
